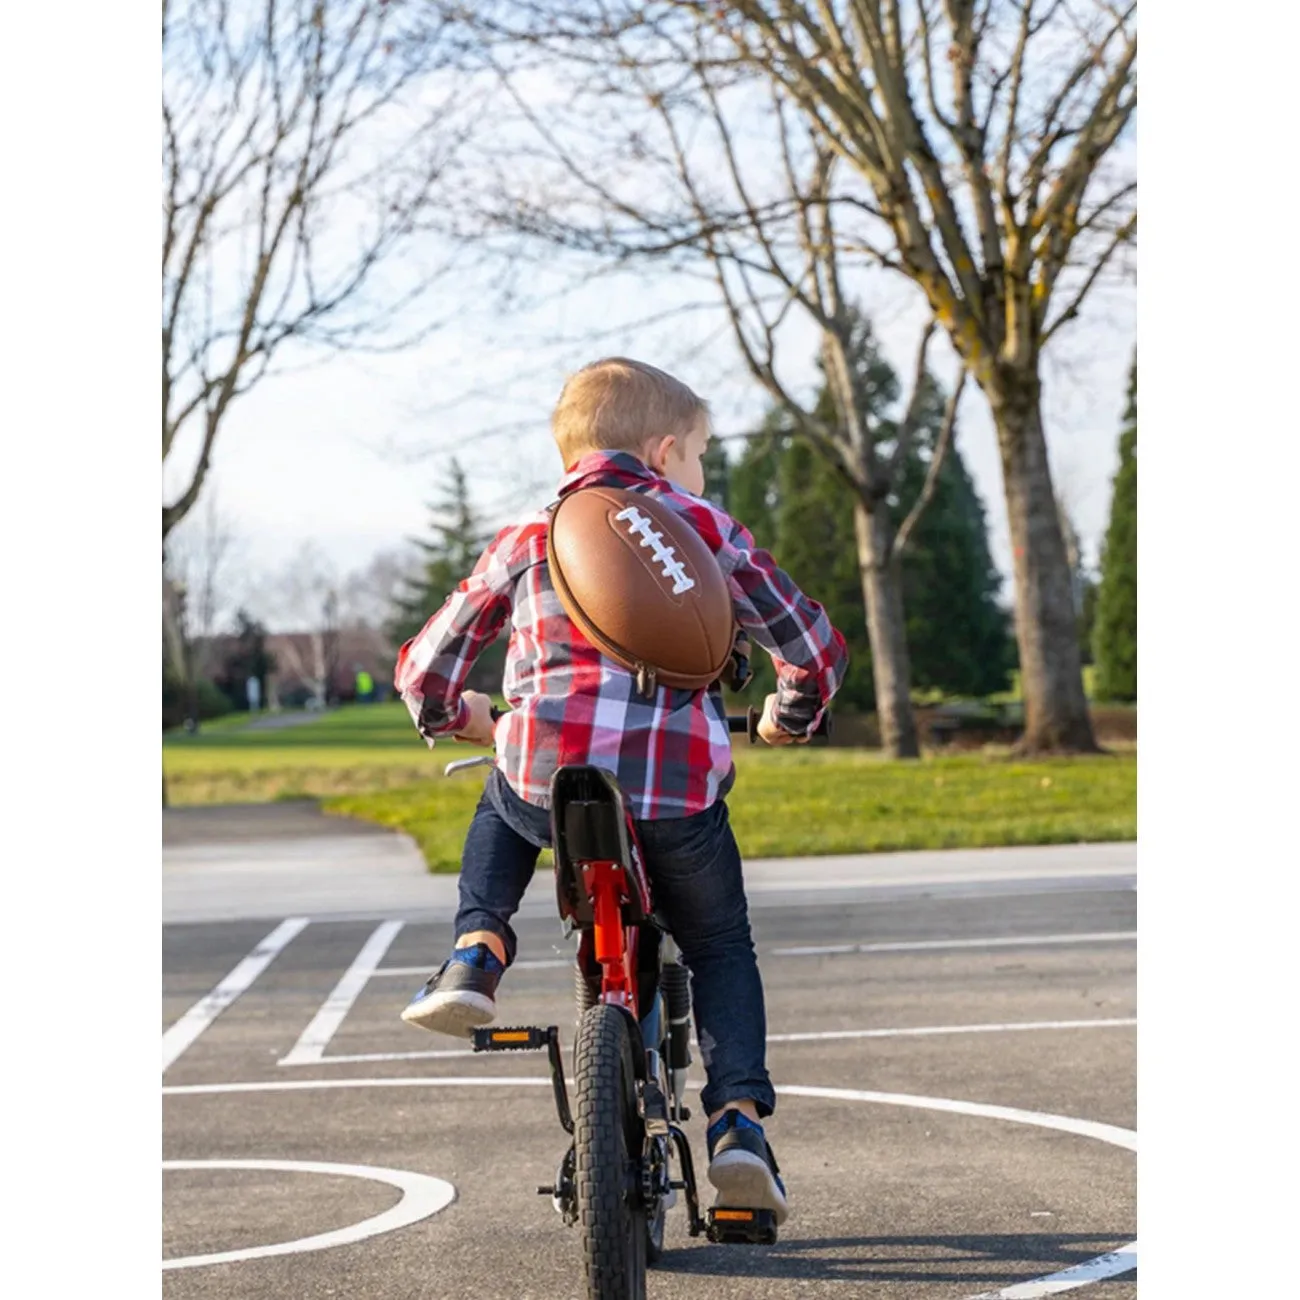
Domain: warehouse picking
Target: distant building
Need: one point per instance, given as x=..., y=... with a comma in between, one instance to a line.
x=309, y=664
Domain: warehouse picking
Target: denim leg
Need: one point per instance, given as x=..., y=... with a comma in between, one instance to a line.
x=695, y=874
x=496, y=866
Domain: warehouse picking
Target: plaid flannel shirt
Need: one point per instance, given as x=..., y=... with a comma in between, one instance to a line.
x=671, y=754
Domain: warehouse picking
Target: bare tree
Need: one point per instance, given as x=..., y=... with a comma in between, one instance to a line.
x=368, y=596
x=304, y=145
x=733, y=181
x=984, y=136
x=200, y=560
x=305, y=597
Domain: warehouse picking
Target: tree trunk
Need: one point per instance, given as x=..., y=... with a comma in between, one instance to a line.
x=883, y=597
x=1051, y=670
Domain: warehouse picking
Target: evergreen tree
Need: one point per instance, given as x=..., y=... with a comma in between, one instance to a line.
x=456, y=540
x=960, y=638
x=248, y=659
x=717, y=473
x=797, y=506
x=751, y=483
x=1087, y=618
x=1115, y=629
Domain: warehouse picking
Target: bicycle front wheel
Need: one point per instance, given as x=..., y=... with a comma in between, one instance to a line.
x=607, y=1150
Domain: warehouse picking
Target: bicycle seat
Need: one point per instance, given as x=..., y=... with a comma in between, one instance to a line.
x=589, y=823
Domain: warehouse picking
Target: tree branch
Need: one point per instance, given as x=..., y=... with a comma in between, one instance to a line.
x=905, y=530
x=911, y=415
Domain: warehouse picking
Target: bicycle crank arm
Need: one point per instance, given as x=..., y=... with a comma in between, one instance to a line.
x=687, y=1181
x=531, y=1038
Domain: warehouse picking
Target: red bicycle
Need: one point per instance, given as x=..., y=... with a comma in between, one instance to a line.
x=630, y=1057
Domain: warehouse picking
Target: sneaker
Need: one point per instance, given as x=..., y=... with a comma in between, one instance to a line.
x=743, y=1168
x=460, y=995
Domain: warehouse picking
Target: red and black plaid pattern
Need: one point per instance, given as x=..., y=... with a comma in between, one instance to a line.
x=671, y=754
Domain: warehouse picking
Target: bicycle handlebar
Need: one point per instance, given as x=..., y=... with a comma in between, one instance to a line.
x=743, y=724
x=747, y=723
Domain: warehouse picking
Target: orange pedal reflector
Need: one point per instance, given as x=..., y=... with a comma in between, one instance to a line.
x=519, y=1038
x=744, y=1216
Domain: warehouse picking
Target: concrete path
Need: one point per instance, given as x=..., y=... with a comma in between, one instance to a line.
x=276, y=860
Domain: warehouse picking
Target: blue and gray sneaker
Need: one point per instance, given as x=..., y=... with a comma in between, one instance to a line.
x=743, y=1168
x=460, y=995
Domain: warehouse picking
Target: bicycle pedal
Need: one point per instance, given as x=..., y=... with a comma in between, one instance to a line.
x=523, y=1039
x=731, y=1226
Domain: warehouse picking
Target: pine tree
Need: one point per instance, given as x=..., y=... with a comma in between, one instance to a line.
x=455, y=542
x=959, y=636
x=797, y=506
x=717, y=473
x=1115, y=630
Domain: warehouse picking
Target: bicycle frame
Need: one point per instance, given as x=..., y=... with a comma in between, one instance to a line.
x=603, y=891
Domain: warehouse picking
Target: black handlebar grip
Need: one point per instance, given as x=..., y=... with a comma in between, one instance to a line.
x=749, y=723
x=496, y=714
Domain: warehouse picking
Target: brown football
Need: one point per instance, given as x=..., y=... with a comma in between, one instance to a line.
x=641, y=584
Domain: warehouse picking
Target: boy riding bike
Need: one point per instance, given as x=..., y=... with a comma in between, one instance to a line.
x=624, y=424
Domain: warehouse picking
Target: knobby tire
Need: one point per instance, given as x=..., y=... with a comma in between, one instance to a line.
x=607, y=1148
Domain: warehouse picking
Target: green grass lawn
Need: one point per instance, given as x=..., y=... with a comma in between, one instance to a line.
x=366, y=761
x=352, y=749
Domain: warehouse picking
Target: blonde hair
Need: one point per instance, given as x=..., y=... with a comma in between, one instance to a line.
x=616, y=404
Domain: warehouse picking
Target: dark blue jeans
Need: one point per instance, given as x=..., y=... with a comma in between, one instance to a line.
x=695, y=878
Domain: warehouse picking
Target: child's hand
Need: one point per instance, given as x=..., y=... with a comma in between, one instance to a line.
x=480, y=729
x=770, y=732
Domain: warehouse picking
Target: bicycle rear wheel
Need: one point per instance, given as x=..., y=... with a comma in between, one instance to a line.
x=607, y=1148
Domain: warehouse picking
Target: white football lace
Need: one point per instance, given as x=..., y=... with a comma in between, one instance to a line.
x=664, y=555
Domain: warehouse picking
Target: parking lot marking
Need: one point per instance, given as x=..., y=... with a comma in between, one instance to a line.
x=311, y=1044
x=1123, y=1260
x=1108, y=1133
x=313, y=1040
x=924, y=1030
x=297, y=1085
x=183, y=1033
x=422, y=1196
x=940, y=945
x=443, y=1054
x=1110, y=1264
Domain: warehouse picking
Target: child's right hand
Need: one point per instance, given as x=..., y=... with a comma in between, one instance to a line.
x=770, y=732
x=481, y=729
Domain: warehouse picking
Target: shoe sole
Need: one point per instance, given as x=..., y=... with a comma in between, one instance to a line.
x=745, y=1182
x=457, y=1014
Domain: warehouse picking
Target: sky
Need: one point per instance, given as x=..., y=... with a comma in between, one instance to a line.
x=345, y=451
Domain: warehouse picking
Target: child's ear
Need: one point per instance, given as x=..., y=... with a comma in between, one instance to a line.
x=657, y=454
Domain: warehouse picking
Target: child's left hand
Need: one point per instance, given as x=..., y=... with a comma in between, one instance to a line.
x=481, y=727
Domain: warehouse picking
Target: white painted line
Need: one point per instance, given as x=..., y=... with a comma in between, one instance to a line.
x=951, y=1029
x=422, y=1196
x=1109, y=1133
x=1122, y=1260
x=940, y=945
x=370, y=1058
x=1119, y=1137
x=180, y=1035
x=1108, y=1265
x=313, y=1041
x=299, y=1085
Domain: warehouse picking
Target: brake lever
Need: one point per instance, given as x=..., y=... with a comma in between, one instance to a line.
x=461, y=764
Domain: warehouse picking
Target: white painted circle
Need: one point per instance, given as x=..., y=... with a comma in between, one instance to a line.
x=422, y=1196
x=1114, y=1262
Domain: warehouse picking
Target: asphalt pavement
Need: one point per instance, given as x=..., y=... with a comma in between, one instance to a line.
x=952, y=1042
